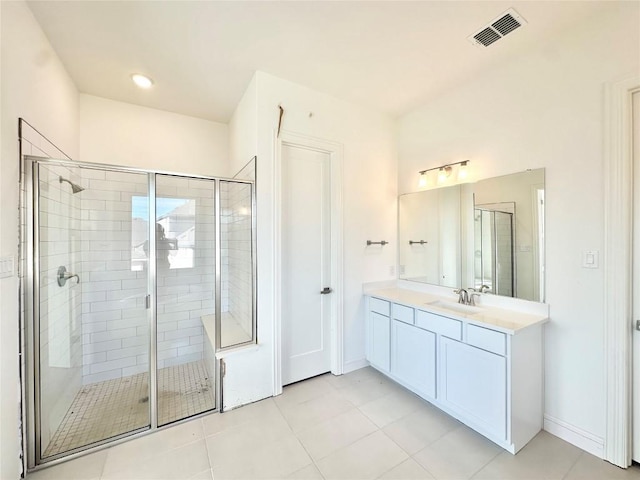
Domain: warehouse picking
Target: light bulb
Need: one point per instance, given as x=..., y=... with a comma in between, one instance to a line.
x=141, y=80
x=423, y=180
x=462, y=171
x=443, y=173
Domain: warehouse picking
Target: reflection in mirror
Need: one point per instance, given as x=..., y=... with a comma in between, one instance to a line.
x=487, y=235
x=509, y=235
x=493, y=259
x=429, y=236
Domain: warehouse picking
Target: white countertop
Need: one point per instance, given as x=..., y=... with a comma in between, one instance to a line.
x=502, y=319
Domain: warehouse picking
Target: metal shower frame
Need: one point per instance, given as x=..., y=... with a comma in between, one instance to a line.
x=30, y=291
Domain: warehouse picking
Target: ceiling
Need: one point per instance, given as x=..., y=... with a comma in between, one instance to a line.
x=391, y=56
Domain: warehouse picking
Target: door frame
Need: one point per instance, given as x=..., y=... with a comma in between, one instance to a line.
x=335, y=152
x=618, y=229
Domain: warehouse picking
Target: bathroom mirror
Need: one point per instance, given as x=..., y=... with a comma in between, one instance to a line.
x=429, y=236
x=508, y=225
x=489, y=233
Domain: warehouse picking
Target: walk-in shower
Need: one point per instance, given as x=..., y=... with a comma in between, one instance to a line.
x=133, y=281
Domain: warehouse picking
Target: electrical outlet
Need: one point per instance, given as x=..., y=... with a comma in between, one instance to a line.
x=392, y=270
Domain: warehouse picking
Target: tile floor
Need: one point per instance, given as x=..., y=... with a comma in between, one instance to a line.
x=356, y=426
x=105, y=409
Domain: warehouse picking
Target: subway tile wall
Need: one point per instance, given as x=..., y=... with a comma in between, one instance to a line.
x=186, y=295
x=115, y=321
x=60, y=306
x=236, y=251
x=115, y=332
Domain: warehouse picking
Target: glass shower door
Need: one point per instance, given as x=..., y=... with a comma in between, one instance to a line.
x=90, y=291
x=186, y=296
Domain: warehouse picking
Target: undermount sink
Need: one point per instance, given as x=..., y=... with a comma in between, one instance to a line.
x=456, y=307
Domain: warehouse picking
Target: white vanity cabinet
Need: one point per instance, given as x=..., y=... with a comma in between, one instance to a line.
x=413, y=358
x=473, y=384
x=379, y=334
x=487, y=376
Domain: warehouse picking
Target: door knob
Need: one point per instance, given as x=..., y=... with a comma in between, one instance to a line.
x=325, y=290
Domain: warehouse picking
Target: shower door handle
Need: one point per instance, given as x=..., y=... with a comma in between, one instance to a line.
x=63, y=276
x=325, y=291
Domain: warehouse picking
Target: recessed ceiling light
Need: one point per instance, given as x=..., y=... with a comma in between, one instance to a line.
x=141, y=80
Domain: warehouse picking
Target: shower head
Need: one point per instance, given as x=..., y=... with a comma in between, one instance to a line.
x=75, y=188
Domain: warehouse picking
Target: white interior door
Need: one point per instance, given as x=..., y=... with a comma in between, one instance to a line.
x=636, y=276
x=306, y=263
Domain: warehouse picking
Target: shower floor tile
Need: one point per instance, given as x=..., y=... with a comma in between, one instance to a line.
x=105, y=409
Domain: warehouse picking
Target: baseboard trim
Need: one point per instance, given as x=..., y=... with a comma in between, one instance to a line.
x=574, y=435
x=354, y=365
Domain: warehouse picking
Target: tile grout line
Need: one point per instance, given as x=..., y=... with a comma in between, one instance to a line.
x=573, y=465
x=409, y=456
x=344, y=446
x=485, y=464
x=353, y=407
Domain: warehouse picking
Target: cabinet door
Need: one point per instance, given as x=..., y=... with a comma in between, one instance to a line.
x=473, y=383
x=378, y=341
x=413, y=358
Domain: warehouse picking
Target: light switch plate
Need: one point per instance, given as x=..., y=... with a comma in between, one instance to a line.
x=7, y=266
x=590, y=259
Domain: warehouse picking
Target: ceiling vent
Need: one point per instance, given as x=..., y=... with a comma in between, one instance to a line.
x=498, y=28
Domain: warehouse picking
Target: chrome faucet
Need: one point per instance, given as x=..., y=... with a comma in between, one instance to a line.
x=463, y=296
x=476, y=293
x=472, y=300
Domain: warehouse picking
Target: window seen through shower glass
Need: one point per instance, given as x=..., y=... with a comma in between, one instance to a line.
x=175, y=229
x=186, y=303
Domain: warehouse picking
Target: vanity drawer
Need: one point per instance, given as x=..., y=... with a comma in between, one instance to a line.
x=402, y=313
x=447, y=327
x=379, y=306
x=486, y=339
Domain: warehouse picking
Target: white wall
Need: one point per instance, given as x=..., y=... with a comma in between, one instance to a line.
x=545, y=109
x=369, y=202
x=34, y=86
x=243, y=129
x=119, y=133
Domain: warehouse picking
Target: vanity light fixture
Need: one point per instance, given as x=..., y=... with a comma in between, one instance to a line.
x=142, y=80
x=423, y=179
x=462, y=170
x=444, y=172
